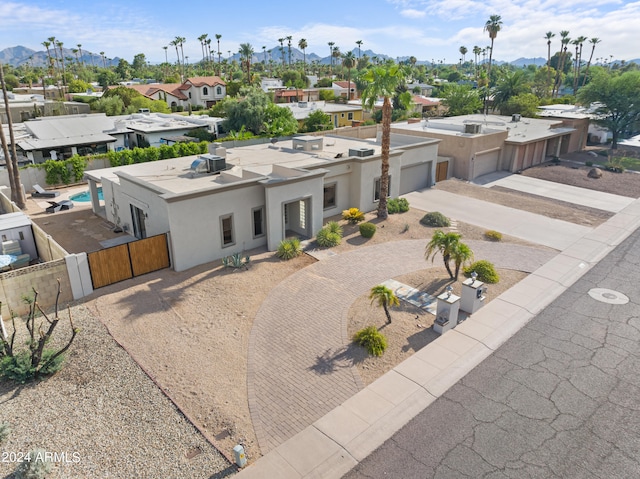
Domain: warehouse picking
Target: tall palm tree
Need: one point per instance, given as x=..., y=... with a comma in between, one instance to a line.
x=11, y=162
x=548, y=36
x=80, y=49
x=47, y=44
x=59, y=44
x=564, y=41
x=359, y=43
x=331, y=44
x=492, y=26
x=166, y=59
x=302, y=45
x=289, y=38
x=336, y=54
x=246, y=53
x=445, y=244
x=349, y=61
x=463, y=51
x=218, y=37
x=104, y=62
x=461, y=255
x=385, y=298
x=594, y=41
x=580, y=42
x=281, y=40
x=476, y=52
x=264, y=56
x=174, y=43
x=382, y=81
x=203, y=43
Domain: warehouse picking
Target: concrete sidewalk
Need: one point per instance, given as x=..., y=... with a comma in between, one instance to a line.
x=557, y=191
x=346, y=435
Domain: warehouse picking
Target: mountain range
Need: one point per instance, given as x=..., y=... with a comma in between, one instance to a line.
x=19, y=55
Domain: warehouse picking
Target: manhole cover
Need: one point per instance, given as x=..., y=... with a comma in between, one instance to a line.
x=608, y=296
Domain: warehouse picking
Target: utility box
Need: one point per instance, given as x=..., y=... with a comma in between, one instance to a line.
x=447, y=310
x=240, y=456
x=473, y=295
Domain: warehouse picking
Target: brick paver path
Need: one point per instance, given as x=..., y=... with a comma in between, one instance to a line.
x=299, y=365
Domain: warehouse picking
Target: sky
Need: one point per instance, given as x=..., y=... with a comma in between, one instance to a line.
x=431, y=30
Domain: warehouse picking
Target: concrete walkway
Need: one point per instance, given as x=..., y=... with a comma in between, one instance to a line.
x=557, y=191
x=300, y=365
x=521, y=224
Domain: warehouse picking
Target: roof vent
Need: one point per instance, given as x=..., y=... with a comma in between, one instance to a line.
x=472, y=128
x=516, y=117
x=361, y=152
x=302, y=104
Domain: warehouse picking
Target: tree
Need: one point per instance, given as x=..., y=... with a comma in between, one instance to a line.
x=331, y=44
x=248, y=111
x=318, y=121
x=510, y=84
x=78, y=86
x=578, y=42
x=359, y=43
x=618, y=100
x=492, y=26
x=526, y=104
x=246, y=53
x=463, y=51
x=461, y=255
x=548, y=37
x=110, y=106
x=385, y=299
x=302, y=45
x=11, y=161
x=382, y=81
x=38, y=359
x=279, y=121
x=445, y=244
x=594, y=41
x=564, y=41
x=289, y=38
x=460, y=99
x=476, y=51
x=348, y=62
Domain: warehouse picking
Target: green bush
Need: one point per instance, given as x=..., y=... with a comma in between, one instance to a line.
x=37, y=466
x=372, y=340
x=588, y=163
x=18, y=367
x=492, y=235
x=330, y=235
x=367, y=230
x=435, y=219
x=397, y=205
x=353, y=215
x=289, y=248
x=614, y=167
x=5, y=430
x=485, y=270
x=334, y=227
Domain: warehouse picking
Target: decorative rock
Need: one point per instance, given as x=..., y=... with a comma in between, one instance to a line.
x=595, y=173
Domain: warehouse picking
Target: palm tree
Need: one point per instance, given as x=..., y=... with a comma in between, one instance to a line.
x=59, y=44
x=166, y=59
x=476, y=52
x=302, y=45
x=11, y=162
x=445, y=244
x=461, y=254
x=359, y=43
x=281, y=40
x=548, y=37
x=348, y=62
x=492, y=26
x=564, y=41
x=289, y=38
x=382, y=81
x=511, y=84
x=218, y=37
x=47, y=44
x=80, y=50
x=336, y=54
x=594, y=41
x=579, y=42
x=331, y=44
x=104, y=63
x=246, y=52
x=463, y=51
x=385, y=298
x=203, y=44
x=175, y=43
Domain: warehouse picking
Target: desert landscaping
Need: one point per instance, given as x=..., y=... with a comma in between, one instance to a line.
x=189, y=334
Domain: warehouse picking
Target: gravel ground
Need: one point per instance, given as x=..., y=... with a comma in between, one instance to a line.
x=106, y=414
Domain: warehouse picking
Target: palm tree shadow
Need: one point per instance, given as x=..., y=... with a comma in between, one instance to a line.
x=419, y=340
x=332, y=360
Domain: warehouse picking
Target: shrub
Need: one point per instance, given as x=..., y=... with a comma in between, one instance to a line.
x=555, y=160
x=435, y=219
x=367, y=230
x=397, y=205
x=289, y=248
x=588, y=163
x=353, y=215
x=492, y=235
x=19, y=367
x=330, y=235
x=37, y=466
x=485, y=270
x=334, y=227
x=614, y=167
x=5, y=430
x=372, y=340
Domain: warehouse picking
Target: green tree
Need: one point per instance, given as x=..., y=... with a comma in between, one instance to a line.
x=348, y=62
x=106, y=78
x=246, y=53
x=618, y=100
x=79, y=86
x=11, y=81
x=318, y=121
x=279, y=121
x=526, y=104
x=492, y=26
x=461, y=255
x=385, y=298
x=510, y=84
x=382, y=81
x=111, y=106
x=248, y=111
x=446, y=244
x=594, y=41
x=460, y=99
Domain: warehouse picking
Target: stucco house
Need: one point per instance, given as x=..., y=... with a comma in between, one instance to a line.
x=341, y=114
x=480, y=144
x=252, y=196
x=196, y=91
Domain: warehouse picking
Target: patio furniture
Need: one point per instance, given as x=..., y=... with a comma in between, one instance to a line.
x=40, y=192
x=59, y=205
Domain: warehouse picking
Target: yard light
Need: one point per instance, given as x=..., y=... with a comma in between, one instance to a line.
x=449, y=289
x=474, y=275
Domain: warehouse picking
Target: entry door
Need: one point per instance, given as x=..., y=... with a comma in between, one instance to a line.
x=442, y=170
x=137, y=217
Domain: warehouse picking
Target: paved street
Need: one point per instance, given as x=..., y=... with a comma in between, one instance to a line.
x=559, y=399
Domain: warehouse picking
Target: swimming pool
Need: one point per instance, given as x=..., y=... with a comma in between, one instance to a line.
x=85, y=196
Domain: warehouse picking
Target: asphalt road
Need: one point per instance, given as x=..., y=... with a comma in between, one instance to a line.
x=561, y=399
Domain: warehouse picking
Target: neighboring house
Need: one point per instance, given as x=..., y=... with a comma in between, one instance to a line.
x=479, y=145
x=253, y=196
x=293, y=95
x=427, y=106
x=342, y=88
x=576, y=113
x=341, y=114
x=425, y=89
x=201, y=92
x=61, y=137
x=27, y=106
x=167, y=92
x=270, y=84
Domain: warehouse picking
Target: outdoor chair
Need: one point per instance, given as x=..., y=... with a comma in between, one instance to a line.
x=40, y=192
x=58, y=206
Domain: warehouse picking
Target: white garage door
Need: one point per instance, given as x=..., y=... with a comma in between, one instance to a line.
x=415, y=177
x=487, y=163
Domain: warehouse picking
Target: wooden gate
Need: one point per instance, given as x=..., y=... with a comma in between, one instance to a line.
x=442, y=170
x=126, y=261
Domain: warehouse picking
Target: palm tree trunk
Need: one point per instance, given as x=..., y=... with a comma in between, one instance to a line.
x=446, y=258
x=17, y=194
x=586, y=73
x=384, y=173
x=386, y=311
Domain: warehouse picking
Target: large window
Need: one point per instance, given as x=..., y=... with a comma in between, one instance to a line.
x=376, y=189
x=219, y=90
x=205, y=90
x=329, y=200
x=258, y=222
x=226, y=227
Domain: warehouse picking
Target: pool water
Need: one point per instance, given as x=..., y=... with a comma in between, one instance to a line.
x=85, y=196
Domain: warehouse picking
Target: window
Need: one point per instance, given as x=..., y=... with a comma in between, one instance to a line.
x=376, y=189
x=329, y=196
x=350, y=116
x=258, y=221
x=219, y=90
x=341, y=115
x=189, y=94
x=226, y=227
x=21, y=235
x=205, y=90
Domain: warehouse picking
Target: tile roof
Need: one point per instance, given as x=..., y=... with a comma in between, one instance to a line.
x=344, y=84
x=204, y=81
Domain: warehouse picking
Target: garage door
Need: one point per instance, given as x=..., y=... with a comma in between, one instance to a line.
x=415, y=177
x=485, y=164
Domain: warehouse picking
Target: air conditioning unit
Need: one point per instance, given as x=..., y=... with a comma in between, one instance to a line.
x=472, y=128
x=516, y=117
x=361, y=152
x=208, y=164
